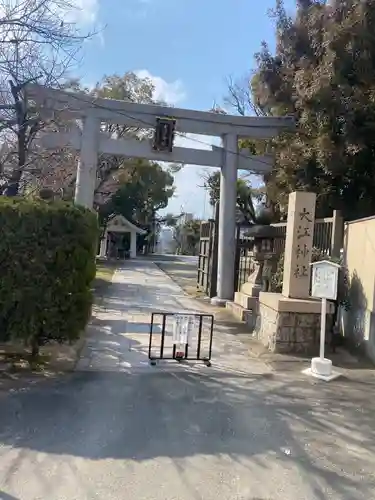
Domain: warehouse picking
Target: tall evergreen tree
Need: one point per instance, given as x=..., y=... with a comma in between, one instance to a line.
x=322, y=72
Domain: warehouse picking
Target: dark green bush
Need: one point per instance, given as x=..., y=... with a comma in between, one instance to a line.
x=47, y=264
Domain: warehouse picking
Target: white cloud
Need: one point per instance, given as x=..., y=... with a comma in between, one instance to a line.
x=86, y=11
x=86, y=16
x=170, y=92
x=137, y=10
x=83, y=11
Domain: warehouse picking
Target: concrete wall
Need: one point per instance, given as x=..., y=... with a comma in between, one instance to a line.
x=358, y=322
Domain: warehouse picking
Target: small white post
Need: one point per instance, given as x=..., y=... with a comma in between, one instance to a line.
x=323, y=328
x=323, y=286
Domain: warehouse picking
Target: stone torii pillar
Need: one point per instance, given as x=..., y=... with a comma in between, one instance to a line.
x=87, y=163
x=227, y=221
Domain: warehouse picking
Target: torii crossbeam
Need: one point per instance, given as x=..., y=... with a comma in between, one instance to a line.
x=90, y=141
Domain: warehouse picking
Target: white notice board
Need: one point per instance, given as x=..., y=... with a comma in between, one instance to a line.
x=324, y=280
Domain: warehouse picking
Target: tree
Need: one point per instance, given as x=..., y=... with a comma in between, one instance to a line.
x=244, y=195
x=241, y=100
x=128, y=87
x=187, y=237
x=192, y=230
x=323, y=73
x=240, y=97
x=37, y=43
x=143, y=189
x=170, y=220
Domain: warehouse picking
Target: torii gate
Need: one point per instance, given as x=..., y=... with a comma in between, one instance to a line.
x=90, y=141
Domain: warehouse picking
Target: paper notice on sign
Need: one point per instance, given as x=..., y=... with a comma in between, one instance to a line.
x=324, y=281
x=183, y=328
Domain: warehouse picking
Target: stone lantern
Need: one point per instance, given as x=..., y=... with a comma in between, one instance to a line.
x=264, y=259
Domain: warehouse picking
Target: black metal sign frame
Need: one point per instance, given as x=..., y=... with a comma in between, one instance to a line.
x=188, y=354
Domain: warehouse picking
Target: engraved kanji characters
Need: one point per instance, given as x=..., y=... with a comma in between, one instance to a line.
x=302, y=251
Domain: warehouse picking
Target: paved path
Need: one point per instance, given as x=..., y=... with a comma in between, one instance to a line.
x=119, y=334
x=120, y=331
x=120, y=429
x=183, y=269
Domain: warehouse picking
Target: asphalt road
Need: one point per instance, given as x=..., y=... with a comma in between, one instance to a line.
x=238, y=433
x=168, y=436
x=183, y=269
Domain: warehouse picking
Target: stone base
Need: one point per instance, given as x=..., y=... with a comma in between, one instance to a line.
x=242, y=314
x=246, y=301
x=244, y=308
x=332, y=375
x=286, y=325
x=217, y=302
x=251, y=289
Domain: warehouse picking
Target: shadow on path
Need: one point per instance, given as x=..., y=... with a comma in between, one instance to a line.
x=268, y=426
x=251, y=419
x=5, y=496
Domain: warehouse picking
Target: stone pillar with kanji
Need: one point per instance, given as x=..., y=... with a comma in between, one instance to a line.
x=299, y=245
x=290, y=321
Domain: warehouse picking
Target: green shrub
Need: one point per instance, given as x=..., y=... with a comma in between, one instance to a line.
x=47, y=264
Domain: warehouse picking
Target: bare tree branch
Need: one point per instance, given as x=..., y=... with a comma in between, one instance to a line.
x=240, y=97
x=37, y=43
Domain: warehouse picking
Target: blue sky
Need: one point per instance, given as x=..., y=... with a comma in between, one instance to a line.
x=188, y=47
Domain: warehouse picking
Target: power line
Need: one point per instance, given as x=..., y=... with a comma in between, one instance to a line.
x=149, y=124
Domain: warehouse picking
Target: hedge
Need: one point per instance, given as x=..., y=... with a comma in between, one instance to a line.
x=47, y=264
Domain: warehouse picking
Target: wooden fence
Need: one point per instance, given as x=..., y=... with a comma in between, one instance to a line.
x=207, y=258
